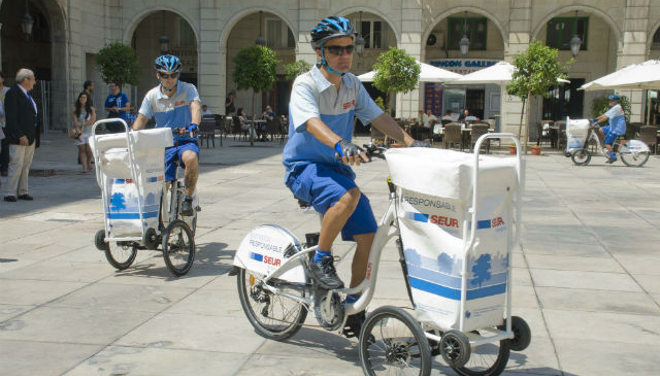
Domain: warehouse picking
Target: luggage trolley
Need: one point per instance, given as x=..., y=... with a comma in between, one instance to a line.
x=130, y=173
x=459, y=218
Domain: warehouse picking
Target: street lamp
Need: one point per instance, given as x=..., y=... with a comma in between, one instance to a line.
x=164, y=44
x=260, y=41
x=465, y=42
x=575, y=42
x=359, y=42
x=26, y=22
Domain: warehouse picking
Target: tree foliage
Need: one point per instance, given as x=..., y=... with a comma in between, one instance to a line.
x=600, y=105
x=255, y=68
x=295, y=69
x=118, y=63
x=396, y=71
x=537, y=69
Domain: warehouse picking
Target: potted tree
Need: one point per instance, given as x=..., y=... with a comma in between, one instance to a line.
x=396, y=71
x=118, y=63
x=537, y=69
x=296, y=68
x=255, y=69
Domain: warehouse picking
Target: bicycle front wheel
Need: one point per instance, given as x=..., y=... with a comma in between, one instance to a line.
x=121, y=254
x=581, y=157
x=273, y=316
x=178, y=247
x=392, y=342
x=489, y=359
x=635, y=159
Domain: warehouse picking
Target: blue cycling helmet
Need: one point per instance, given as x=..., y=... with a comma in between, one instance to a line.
x=614, y=97
x=331, y=27
x=167, y=64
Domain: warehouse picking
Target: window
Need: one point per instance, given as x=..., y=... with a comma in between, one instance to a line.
x=278, y=34
x=375, y=34
x=186, y=34
x=562, y=30
x=477, y=32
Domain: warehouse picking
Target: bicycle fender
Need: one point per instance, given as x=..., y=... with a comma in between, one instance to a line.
x=266, y=248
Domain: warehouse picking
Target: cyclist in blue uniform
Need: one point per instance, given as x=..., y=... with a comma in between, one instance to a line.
x=324, y=102
x=617, y=127
x=175, y=104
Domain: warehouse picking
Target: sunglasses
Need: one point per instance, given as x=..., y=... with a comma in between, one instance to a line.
x=166, y=76
x=338, y=50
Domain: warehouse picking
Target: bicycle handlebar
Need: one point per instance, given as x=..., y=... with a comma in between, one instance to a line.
x=185, y=132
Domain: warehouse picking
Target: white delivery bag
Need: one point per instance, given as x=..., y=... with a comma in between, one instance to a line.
x=434, y=193
x=124, y=198
x=576, y=133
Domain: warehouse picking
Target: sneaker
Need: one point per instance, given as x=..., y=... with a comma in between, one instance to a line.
x=325, y=274
x=354, y=324
x=186, y=207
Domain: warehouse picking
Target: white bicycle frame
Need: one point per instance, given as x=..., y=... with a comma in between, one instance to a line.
x=388, y=229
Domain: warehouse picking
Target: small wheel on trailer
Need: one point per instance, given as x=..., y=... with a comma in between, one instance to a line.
x=150, y=239
x=99, y=241
x=273, y=316
x=455, y=348
x=488, y=359
x=581, y=157
x=522, y=335
x=391, y=340
x=178, y=247
x=121, y=254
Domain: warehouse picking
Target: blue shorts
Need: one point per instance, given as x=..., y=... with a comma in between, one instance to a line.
x=174, y=153
x=322, y=185
x=610, y=136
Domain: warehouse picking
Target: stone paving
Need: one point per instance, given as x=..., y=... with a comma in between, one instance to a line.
x=586, y=278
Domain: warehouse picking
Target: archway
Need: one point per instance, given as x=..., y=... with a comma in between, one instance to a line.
x=441, y=48
x=278, y=36
x=44, y=52
x=181, y=41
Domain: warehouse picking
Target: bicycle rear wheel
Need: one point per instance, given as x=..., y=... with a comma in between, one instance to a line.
x=635, y=159
x=273, y=316
x=178, y=247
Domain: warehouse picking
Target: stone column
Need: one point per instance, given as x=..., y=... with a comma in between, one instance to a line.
x=410, y=41
x=211, y=73
x=518, y=41
x=634, y=50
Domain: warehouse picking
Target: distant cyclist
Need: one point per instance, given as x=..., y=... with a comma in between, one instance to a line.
x=323, y=103
x=175, y=104
x=617, y=127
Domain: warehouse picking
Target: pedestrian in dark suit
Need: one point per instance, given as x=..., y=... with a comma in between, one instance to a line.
x=22, y=133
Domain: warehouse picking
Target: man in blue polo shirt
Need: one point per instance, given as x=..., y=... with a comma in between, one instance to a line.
x=175, y=104
x=323, y=104
x=617, y=127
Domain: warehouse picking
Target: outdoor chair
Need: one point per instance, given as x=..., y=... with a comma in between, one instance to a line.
x=238, y=130
x=207, y=131
x=273, y=127
x=452, y=136
x=479, y=130
x=561, y=135
x=540, y=136
x=649, y=135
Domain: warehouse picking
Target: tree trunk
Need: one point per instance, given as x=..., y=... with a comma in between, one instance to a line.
x=529, y=97
x=522, y=114
x=254, y=111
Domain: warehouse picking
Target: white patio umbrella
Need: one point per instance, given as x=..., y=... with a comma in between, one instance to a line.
x=428, y=73
x=645, y=75
x=500, y=74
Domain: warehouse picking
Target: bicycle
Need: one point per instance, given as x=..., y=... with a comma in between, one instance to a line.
x=159, y=223
x=633, y=153
x=276, y=292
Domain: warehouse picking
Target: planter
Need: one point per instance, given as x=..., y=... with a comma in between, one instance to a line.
x=536, y=150
x=512, y=149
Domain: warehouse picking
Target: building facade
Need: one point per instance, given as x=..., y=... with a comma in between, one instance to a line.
x=207, y=34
